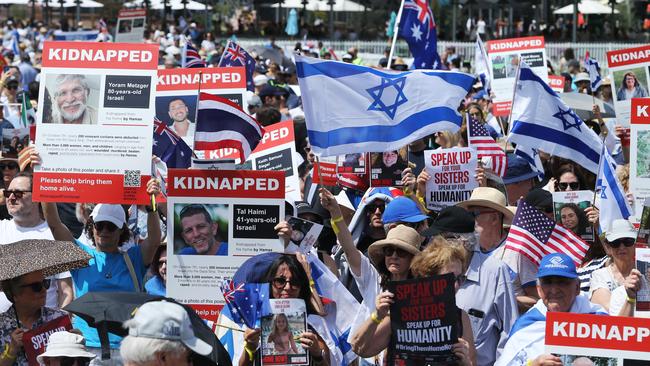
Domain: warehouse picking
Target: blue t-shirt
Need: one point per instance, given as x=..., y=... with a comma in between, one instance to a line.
x=106, y=272
x=223, y=250
x=155, y=286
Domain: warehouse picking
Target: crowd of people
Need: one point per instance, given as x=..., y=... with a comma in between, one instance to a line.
x=388, y=236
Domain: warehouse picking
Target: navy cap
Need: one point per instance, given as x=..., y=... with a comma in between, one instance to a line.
x=518, y=170
x=452, y=219
x=557, y=264
x=270, y=90
x=402, y=209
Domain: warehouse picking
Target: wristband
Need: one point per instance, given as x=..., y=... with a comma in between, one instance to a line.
x=250, y=352
x=6, y=354
x=335, y=220
x=375, y=317
x=529, y=363
x=312, y=283
x=630, y=300
x=319, y=357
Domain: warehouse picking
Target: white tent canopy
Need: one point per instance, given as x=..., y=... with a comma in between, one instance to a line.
x=587, y=7
x=321, y=5
x=69, y=3
x=174, y=4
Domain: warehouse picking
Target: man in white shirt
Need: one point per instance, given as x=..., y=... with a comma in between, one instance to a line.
x=27, y=223
x=178, y=112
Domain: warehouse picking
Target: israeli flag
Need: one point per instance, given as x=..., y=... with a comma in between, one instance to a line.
x=355, y=109
x=482, y=65
x=542, y=120
x=613, y=203
x=593, y=68
x=531, y=155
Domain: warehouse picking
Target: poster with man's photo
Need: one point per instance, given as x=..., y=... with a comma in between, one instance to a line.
x=569, y=210
x=640, y=154
x=130, y=25
x=95, y=117
x=424, y=321
x=304, y=233
x=386, y=167
x=177, y=94
x=629, y=70
x=281, y=330
x=216, y=219
x=14, y=140
x=504, y=56
x=587, y=339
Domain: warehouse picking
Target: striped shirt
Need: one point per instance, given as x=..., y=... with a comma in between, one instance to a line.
x=584, y=272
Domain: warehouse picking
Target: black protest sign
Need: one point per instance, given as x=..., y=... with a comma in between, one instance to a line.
x=424, y=321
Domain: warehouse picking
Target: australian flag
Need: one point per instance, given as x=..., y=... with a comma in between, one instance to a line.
x=234, y=55
x=418, y=28
x=169, y=147
x=246, y=302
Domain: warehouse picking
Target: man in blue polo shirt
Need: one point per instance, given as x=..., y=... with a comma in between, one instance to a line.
x=199, y=232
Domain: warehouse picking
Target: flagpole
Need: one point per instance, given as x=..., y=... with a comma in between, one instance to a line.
x=395, y=31
x=514, y=93
x=196, y=111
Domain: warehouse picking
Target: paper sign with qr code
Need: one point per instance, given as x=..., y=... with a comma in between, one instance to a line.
x=95, y=122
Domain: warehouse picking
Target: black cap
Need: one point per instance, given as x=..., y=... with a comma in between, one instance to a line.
x=541, y=199
x=453, y=219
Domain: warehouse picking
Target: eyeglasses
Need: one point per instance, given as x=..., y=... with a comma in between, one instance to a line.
x=389, y=250
x=628, y=242
x=373, y=207
x=38, y=286
x=73, y=361
x=10, y=166
x=281, y=282
x=12, y=86
x=160, y=263
x=100, y=226
x=564, y=185
x=17, y=193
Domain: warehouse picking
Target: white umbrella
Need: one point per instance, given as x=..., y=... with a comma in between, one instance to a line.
x=586, y=7
x=321, y=5
x=71, y=4
x=174, y=4
x=14, y=2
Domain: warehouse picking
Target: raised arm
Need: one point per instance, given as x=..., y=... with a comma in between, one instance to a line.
x=343, y=234
x=154, y=236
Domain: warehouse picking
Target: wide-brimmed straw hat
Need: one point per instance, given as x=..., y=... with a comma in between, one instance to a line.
x=488, y=197
x=402, y=237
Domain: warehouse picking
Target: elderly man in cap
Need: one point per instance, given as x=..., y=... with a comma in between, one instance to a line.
x=519, y=179
x=487, y=294
x=488, y=205
x=161, y=334
x=559, y=291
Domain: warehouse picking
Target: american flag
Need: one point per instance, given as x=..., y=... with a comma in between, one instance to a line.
x=246, y=302
x=191, y=58
x=534, y=235
x=235, y=55
x=479, y=138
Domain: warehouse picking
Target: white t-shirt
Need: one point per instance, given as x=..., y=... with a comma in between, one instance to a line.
x=480, y=26
x=603, y=278
x=189, y=136
x=9, y=233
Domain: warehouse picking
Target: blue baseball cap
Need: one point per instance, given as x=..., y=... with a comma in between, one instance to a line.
x=518, y=170
x=402, y=209
x=557, y=264
x=481, y=94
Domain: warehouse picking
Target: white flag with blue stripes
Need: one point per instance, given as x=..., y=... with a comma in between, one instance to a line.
x=482, y=65
x=613, y=203
x=354, y=109
x=593, y=68
x=542, y=120
x=531, y=155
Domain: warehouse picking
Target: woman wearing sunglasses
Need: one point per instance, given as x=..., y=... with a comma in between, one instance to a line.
x=441, y=256
x=619, y=243
x=27, y=293
x=288, y=280
x=8, y=169
x=568, y=180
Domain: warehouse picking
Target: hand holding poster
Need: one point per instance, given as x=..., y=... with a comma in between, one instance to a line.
x=424, y=320
x=304, y=233
x=35, y=340
x=452, y=176
x=95, y=119
x=280, y=333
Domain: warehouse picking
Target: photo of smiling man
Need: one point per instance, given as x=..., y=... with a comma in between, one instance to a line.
x=75, y=99
x=197, y=230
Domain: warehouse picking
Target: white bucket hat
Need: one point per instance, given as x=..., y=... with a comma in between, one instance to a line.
x=65, y=344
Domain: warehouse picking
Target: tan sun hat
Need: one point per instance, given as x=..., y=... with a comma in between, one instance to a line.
x=488, y=197
x=402, y=237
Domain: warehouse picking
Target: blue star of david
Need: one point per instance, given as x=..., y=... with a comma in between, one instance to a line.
x=377, y=92
x=603, y=189
x=565, y=122
x=535, y=153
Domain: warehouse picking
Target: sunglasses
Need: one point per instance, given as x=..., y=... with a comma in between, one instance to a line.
x=17, y=193
x=389, y=250
x=627, y=242
x=12, y=87
x=100, y=226
x=11, y=166
x=73, y=361
x=372, y=208
x=281, y=282
x=563, y=185
x=38, y=286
